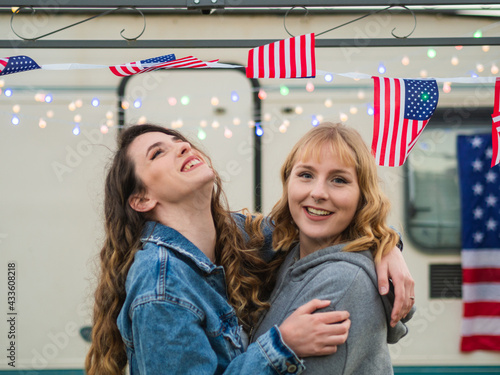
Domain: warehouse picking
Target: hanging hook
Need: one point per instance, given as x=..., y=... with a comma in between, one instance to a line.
x=143, y=27
x=76, y=23
x=286, y=14
x=414, y=23
x=357, y=19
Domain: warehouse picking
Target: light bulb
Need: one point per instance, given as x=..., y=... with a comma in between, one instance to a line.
x=259, y=131
x=201, y=134
x=185, y=100
x=284, y=90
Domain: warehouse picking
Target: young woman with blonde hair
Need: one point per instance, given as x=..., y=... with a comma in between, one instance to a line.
x=330, y=223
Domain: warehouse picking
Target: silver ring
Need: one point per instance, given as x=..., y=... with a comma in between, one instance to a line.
x=412, y=298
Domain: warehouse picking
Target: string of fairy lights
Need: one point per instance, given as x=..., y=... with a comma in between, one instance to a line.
x=8, y=98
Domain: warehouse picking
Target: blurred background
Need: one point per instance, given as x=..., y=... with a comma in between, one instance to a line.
x=59, y=127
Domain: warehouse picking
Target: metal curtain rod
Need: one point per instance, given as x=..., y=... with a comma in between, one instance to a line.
x=246, y=43
x=193, y=4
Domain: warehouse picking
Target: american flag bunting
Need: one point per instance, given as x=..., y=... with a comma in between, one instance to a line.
x=495, y=130
x=402, y=109
x=288, y=58
x=16, y=64
x=141, y=66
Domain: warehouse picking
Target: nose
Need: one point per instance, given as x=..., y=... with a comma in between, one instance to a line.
x=184, y=147
x=318, y=192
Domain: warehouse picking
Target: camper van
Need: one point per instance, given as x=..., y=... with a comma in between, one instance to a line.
x=60, y=121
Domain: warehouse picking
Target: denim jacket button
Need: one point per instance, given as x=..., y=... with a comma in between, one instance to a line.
x=292, y=369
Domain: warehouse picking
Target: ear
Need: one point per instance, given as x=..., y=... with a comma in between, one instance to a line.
x=141, y=203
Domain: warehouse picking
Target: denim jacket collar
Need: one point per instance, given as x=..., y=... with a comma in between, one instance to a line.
x=161, y=235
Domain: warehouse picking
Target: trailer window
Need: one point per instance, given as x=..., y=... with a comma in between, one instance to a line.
x=432, y=192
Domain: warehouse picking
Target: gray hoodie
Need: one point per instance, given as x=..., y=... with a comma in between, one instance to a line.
x=349, y=281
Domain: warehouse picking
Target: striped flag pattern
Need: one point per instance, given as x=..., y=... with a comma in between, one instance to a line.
x=16, y=64
x=480, y=213
x=185, y=62
x=288, y=58
x=402, y=108
x=495, y=130
x=142, y=66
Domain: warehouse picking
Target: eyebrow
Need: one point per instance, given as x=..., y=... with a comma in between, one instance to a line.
x=307, y=166
x=156, y=144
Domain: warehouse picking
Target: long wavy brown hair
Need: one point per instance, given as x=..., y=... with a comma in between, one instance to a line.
x=245, y=271
x=368, y=229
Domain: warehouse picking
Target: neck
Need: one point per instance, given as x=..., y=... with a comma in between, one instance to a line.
x=194, y=223
x=308, y=246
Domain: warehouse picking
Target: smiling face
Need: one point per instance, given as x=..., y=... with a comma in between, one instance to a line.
x=323, y=196
x=172, y=171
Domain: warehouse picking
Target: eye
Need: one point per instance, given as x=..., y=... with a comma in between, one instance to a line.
x=305, y=175
x=339, y=180
x=156, y=153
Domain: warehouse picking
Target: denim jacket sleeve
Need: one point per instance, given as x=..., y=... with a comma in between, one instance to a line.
x=164, y=344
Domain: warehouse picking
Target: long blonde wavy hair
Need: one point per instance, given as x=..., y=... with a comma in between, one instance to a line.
x=368, y=229
x=244, y=269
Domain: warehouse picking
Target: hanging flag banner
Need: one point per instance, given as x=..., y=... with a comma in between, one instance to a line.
x=480, y=215
x=288, y=58
x=16, y=64
x=148, y=66
x=495, y=130
x=402, y=108
x=142, y=66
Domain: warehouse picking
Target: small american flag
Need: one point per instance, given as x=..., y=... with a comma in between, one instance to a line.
x=480, y=202
x=172, y=63
x=402, y=109
x=140, y=66
x=186, y=62
x=288, y=58
x=495, y=130
x=16, y=64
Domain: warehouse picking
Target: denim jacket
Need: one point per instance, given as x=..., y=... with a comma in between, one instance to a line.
x=176, y=318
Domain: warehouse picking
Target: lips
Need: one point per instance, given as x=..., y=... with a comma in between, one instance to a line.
x=190, y=163
x=318, y=212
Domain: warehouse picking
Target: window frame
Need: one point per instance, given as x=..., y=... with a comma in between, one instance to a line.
x=453, y=118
